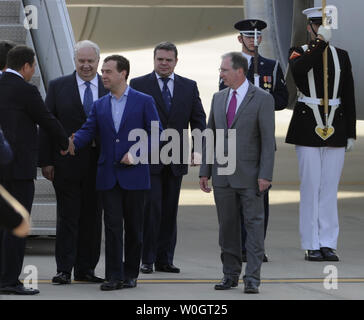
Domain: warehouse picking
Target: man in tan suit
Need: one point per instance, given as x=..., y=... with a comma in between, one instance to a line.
x=247, y=111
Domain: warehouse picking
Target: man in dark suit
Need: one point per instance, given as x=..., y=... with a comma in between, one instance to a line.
x=9, y=218
x=179, y=105
x=121, y=179
x=247, y=111
x=21, y=109
x=79, y=212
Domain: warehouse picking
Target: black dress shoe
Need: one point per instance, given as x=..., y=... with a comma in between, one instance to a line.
x=227, y=283
x=250, y=287
x=167, y=268
x=62, y=278
x=18, y=289
x=111, y=285
x=146, y=268
x=314, y=255
x=88, y=277
x=265, y=258
x=329, y=254
x=130, y=283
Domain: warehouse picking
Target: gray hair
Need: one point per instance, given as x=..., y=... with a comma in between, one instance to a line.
x=86, y=44
x=238, y=61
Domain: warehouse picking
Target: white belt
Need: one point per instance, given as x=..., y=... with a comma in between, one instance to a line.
x=320, y=102
x=324, y=132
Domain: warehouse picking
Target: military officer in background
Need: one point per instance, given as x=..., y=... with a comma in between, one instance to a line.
x=321, y=145
x=270, y=78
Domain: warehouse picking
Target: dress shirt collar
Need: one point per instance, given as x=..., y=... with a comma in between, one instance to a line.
x=94, y=81
x=126, y=92
x=13, y=71
x=242, y=90
x=240, y=94
x=171, y=76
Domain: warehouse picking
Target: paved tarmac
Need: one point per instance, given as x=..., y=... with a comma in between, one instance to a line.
x=286, y=276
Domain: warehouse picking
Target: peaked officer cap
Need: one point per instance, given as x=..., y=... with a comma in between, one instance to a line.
x=314, y=14
x=247, y=26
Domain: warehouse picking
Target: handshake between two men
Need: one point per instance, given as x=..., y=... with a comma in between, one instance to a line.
x=71, y=147
x=48, y=171
x=127, y=158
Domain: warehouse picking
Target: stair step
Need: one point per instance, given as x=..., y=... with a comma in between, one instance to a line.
x=16, y=33
x=9, y=20
x=9, y=10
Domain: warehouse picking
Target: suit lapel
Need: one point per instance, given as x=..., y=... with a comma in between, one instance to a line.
x=223, y=102
x=75, y=94
x=249, y=95
x=177, y=95
x=129, y=102
x=109, y=113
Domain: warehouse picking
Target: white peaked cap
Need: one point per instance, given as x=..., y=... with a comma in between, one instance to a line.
x=313, y=13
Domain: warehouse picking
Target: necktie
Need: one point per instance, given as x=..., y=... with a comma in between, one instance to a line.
x=250, y=75
x=251, y=63
x=166, y=94
x=231, y=110
x=87, y=98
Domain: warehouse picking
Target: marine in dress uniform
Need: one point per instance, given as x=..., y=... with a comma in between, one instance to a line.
x=321, y=153
x=270, y=79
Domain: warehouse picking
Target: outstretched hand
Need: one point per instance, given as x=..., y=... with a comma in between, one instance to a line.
x=71, y=146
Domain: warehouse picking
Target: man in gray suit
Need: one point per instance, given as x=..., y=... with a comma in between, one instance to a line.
x=246, y=112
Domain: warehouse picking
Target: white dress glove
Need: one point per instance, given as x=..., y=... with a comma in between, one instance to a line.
x=325, y=33
x=350, y=145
